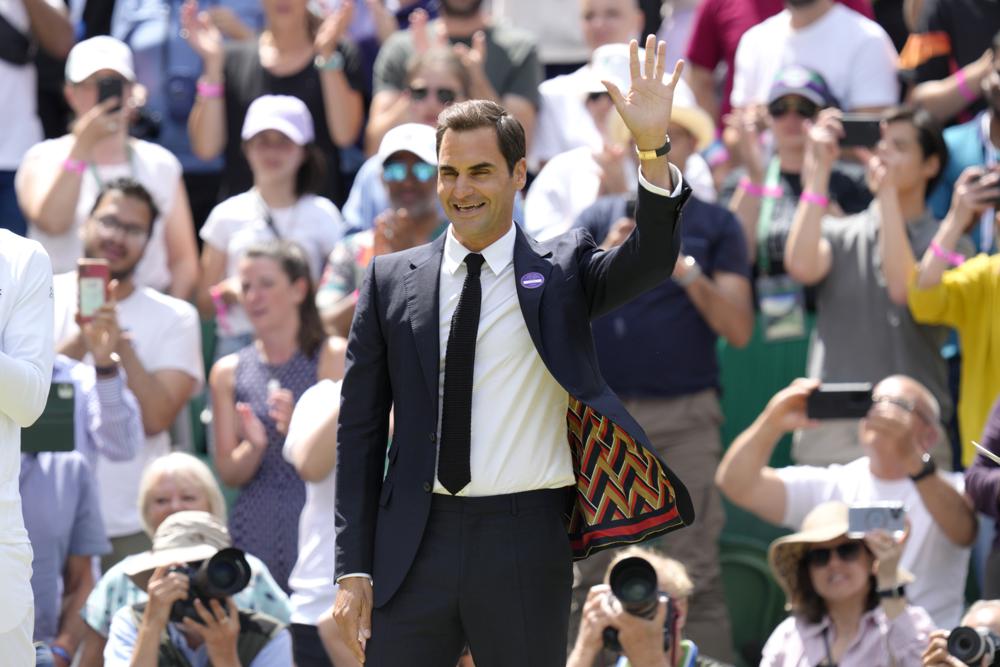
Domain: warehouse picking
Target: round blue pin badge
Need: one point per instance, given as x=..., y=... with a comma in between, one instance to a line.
x=532, y=280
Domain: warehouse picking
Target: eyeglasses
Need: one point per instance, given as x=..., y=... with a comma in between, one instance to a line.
x=903, y=404
x=848, y=552
x=396, y=172
x=444, y=95
x=113, y=225
x=800, y=105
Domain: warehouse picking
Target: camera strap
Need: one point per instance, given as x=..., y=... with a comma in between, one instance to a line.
x=829, y=662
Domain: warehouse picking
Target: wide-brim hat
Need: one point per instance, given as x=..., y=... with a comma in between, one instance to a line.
x=183, y=537
x=826, y=522
x=611, y=63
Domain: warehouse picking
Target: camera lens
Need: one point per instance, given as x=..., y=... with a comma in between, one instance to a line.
x=967, y=644
x=633, y=582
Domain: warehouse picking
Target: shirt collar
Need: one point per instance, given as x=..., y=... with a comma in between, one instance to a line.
x=498, y=254
x=807, y=629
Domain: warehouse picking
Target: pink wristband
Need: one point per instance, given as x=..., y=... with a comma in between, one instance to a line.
x=814, y=198
x=74, y=166
x=953, y=258
x=221, y=310
x=963, y=87
x=206, y=89
x=755, y=190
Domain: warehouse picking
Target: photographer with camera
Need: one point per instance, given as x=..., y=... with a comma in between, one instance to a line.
x=896, y=435
x=975, y=642
x=190, y=619
x=639, y=615
x=847, y=595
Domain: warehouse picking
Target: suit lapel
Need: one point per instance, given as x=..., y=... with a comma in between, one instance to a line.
x=531, y=258
x=422, y=287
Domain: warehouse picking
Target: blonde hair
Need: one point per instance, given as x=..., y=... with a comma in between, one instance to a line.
x=182, y=465
x=671, y=575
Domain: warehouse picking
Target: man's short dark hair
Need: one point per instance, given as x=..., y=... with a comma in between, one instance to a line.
x=129, y=187
x=474, y=114
x=929, y=136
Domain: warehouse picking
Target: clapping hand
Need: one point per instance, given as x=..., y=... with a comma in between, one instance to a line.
x=647, y=104
x=251, y=427
x=332, y=29
x=201, y=34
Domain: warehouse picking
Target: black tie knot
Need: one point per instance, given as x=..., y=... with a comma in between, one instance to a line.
x=473, y=263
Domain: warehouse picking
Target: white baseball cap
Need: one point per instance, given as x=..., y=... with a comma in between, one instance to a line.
x=97, y=53
x=416, y=138
x=284, y=113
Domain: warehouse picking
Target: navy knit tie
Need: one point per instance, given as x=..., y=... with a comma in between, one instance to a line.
x=459, y=362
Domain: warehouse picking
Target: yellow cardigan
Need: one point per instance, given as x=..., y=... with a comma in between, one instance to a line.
x=968, y=299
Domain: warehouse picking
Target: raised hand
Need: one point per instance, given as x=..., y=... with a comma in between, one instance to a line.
x=201, y=34
x=219, y=627
x=102, y=334
x=647, y=104
x=332, y=29
x=280, y=405
x=822, y=146
x=787, y=409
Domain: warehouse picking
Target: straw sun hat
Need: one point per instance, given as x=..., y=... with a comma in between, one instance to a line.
x=826, y=522
x=183, y=537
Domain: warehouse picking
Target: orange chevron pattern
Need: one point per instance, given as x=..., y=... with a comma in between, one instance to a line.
x=622, y=492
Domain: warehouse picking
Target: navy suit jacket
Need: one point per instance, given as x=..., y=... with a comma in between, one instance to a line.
x=624, y=493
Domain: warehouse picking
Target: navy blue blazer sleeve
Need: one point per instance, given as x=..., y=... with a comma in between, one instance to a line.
x=362, y=433
x=614, y=277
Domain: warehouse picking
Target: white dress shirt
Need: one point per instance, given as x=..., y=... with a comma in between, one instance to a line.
x=518, y=440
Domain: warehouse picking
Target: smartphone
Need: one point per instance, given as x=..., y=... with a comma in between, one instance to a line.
x=108, y=87
x=848, y=400
x=93, y=276
x=861, y=129
x=53, y=431
x=630, y=208
x=993, y=170
x=887, y=516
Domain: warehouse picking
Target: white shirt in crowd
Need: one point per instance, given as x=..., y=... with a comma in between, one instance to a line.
x=166, y=334
x=18, y=90
x=518, y=440
x=853, y=53
x=571, y=181
x=153, y=166
x=938, y=565
x=311, y=580
x=237, y=223
x=563, y=120
x=26, y=355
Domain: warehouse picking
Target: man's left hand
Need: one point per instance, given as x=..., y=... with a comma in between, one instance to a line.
x=646, y=106
x=219, y=628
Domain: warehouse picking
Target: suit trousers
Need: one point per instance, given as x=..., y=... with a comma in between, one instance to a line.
x=685, y=433
x=492, y=572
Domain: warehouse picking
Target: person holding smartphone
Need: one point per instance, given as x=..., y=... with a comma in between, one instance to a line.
x=896, y=435
x=58, y=181
x=952, y=287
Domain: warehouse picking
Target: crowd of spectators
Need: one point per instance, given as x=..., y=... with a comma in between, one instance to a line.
x=237, y=166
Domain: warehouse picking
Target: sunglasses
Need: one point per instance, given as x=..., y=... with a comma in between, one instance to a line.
x=444, y=95
x=395, y=172
x=847, y=552
x=801, y=106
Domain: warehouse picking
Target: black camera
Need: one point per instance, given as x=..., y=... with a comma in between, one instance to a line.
x=221, y=576
x=971, y=645
x=633, y=582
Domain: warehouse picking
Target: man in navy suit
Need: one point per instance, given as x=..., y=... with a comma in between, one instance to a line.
x=510, y=456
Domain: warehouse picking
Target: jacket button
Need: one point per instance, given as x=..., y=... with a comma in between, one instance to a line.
x=433, y=437
x=427, y=487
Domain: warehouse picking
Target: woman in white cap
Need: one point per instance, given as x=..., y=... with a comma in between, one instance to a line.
x=297, y=53
x=283, y=204
x=59, y=179
x=847, y=596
